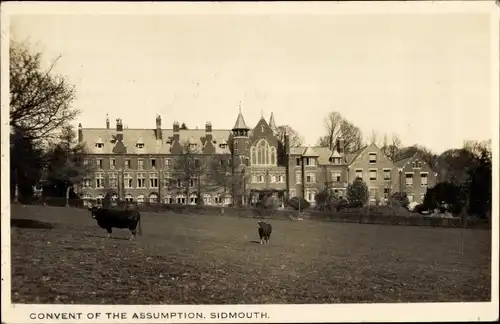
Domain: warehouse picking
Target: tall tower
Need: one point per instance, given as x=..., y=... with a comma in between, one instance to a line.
x=241, y=155
x=241, y=147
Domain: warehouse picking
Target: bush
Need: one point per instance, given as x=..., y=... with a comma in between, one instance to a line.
x=295, y=202
x=419, y=208
x=357, y=192
x=399, y=198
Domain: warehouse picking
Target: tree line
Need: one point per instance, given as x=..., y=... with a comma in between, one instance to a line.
x=43, y=143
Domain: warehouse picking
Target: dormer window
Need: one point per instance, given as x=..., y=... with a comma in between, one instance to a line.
x=140, y=143
x=99, y=143
x=223, y=145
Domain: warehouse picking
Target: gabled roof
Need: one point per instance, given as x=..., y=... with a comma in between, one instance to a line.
x=309, y=152
x=350, y=157
x=403, y=162
x=151, y=144
x=335, y=154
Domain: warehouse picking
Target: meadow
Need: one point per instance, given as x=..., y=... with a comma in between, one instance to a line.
x=60, y=255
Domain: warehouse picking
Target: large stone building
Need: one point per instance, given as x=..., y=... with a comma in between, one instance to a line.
x=143, y=164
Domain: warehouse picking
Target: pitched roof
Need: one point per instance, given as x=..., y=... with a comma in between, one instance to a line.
x=350, y=157
x=240, y=122
x=402, y=163
x=151, y=144
x=309, y=152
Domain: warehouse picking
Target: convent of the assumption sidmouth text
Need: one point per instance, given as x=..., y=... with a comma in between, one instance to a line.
x=141, y=165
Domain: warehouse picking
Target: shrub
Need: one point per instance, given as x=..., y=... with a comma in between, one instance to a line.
x=295, y=202
x=357, y=193
x=399, y=198
x=419, y=208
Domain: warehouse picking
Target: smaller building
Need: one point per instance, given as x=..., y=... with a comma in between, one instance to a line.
x=415, y=176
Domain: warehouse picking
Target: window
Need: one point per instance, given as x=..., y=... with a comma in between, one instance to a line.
x=181, y=199
x=129, y=198
x=310, y=196
x=167, y=163
x=297, y=161
x=387, y=174
x=86, y=162
x=311, y=161
x=217, y=199
x=99, y=180
x=179, y=183
x=193, y=199
x=112, y=163
x=273, y=179
x=336, y=176
x=153, y=180
x=113, y=180
x=140, y=199
x=310, y=178
x=281, y=178
x=141, y=180
x=373, y=158
x=359, y=174
x=409, y=180
x=419, y=165
x=207, y=199
x=373, y=193
x=153, y=163
x=168, y=199
x=127, y=163
x=127, y=180
x=423, y=179
x=99, y=145
x=387, y=192
x=298, y=177
x=99, y=163
x=86, y=183
x=99, y=199
x=140, y=164
x=254, y=178
x=263, y=154
x=153, y=198
x=373, y=174
x=260, y=178
x=192, y=183
x=167, y=176
x=139, y=145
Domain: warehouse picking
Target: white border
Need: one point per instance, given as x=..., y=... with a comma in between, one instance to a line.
x=277, y=313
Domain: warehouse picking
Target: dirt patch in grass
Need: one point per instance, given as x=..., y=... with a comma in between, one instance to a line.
x=214, y=260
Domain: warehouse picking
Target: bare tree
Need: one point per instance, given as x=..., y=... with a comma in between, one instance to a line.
x=227, y=175
x=40, y=101
x=189, y=169
x=391, y=149
x=295, y=138
x=336, y=126
x=373, y=139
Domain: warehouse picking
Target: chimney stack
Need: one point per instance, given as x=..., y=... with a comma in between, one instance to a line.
x=208, y=131
x=119, y=130
x=80, y=133
x=158, y=133
x=340, y=145
x=176, y=131
x=107, y=121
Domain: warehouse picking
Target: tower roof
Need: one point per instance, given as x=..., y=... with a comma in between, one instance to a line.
x=240, y=122
x=272, y=123
x=310, y=152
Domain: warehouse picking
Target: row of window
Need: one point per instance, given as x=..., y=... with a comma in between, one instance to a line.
x=167, y=163
x=272, y=179
x=373, y=174
x=168, y=199
x=308, y=161
x=140, y=181
x=409, y=179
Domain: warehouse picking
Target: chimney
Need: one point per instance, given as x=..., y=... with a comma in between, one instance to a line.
x=340, y=145
x=107, y=121
x=208, y=131
x=176, y=131
x=80, y=133
x=158, y=133
x=119, y=130
x=287, y=144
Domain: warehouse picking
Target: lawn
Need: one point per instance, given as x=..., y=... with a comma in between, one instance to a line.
x=60, y=255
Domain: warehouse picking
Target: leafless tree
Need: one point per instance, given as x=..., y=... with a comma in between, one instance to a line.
x=40, y=101
x=227, y=175
x=295, y=138
x=392, y=148
x=336, y=126
x=189, y=168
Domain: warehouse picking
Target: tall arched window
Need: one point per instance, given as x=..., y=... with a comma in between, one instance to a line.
x=263, y=154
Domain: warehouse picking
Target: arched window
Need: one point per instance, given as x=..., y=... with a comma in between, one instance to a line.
x=263, y=154
x=129, y=198
x=153, y=198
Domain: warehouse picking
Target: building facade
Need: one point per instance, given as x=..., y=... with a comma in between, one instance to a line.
x=415, y=176
x=153, y=165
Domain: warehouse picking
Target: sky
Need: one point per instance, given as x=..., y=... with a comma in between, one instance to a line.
x=423, y=77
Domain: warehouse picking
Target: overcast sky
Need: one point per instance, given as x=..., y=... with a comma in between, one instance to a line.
x=424, y=77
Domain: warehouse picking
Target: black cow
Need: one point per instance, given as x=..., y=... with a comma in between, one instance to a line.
x=265, y=230
x=109, y=218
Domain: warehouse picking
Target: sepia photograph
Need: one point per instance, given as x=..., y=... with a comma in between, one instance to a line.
x=225, y=158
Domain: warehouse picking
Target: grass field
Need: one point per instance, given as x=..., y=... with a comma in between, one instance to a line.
x=60, y=255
